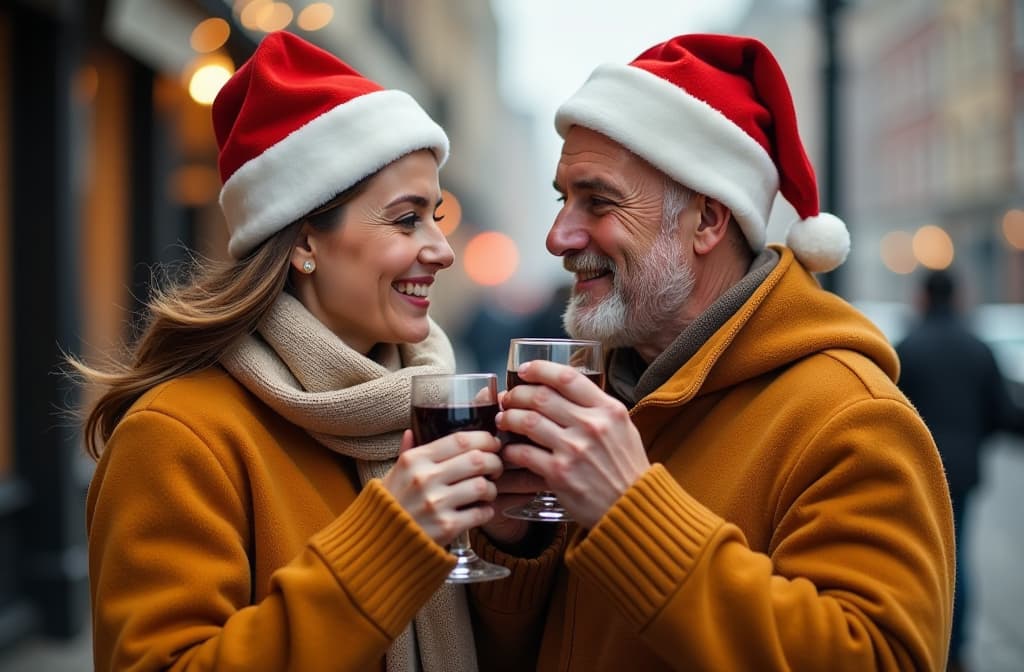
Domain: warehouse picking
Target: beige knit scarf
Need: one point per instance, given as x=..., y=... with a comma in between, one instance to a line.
x=357, y=407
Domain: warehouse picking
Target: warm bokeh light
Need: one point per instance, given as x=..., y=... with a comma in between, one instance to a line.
x=315, y=16
x=898, y=252
x=210, y=35
x=252, y=13
x=206, y=82
x=451, y=210
x=195, y=185
x=933, y=247
x=490, y=258
x=1013, y=228
x=277, y=17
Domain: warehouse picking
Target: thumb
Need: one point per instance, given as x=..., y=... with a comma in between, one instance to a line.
x=407, y=441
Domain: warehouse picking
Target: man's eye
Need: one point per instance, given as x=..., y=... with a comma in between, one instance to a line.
x=561, y=198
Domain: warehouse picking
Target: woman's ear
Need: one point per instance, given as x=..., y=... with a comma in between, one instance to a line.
x=303, y=258
x=713, y=227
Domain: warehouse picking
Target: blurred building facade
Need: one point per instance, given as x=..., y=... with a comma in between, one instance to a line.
x=108, y=166
x=930, y=134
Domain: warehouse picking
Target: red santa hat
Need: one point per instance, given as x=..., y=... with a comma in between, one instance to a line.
x=714, y=113
x=296, y=126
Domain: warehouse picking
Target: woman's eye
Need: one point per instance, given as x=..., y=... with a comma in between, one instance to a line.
x=438, y=218
x=409, y=221
x=561, y=198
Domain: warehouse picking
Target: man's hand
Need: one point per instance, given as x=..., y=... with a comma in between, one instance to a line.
x=593, y=451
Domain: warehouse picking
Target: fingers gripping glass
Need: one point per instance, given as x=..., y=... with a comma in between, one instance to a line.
x=446, y=403
x=587, y=357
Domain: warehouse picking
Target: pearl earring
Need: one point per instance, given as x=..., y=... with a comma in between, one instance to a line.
x=308, y=266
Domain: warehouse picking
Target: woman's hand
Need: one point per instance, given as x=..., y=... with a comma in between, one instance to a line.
x=443, y=483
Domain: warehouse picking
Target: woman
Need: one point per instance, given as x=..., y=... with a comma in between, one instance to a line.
x=245, y=513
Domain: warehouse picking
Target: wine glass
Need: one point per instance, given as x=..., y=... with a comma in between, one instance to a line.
x=587, y=357
x=446, y=403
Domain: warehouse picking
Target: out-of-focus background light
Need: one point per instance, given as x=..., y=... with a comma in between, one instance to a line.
x=210, y=35
x=266, y=16
x=207, y=78
x=1013, y=229
x=490, y=258
x=897, y=250
x=933, y=247
x=450, y=213
x=315, y=16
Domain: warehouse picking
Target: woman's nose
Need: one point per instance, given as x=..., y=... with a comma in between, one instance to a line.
x=437, y=251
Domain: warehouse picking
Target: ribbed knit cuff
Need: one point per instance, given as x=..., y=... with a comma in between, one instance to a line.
x=644, y=547
x=529, y=585
x=382, y=558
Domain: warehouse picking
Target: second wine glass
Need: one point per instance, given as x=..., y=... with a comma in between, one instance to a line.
x=447, y=403
x=586, y=357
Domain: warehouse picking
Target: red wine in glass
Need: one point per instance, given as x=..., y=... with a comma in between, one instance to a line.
x=431, y=422
x=440, y=405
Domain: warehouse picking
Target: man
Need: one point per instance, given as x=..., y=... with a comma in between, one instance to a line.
x=752, y=491
x=953, y=380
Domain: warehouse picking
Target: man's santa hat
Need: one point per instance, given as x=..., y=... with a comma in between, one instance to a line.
x=296, y=126
x=714, y=113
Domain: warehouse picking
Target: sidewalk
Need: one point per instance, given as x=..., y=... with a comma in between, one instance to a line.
x=995, y=546
x=46, y=655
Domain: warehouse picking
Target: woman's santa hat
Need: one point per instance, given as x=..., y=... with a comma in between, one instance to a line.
x=714, y=113
x=296, y=126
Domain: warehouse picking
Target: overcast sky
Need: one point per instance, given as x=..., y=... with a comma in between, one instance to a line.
x=548, y=47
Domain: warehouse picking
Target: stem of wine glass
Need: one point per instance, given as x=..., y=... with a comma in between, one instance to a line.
x=460, y=545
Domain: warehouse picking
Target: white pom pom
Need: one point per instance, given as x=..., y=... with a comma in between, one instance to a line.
x=821, y=243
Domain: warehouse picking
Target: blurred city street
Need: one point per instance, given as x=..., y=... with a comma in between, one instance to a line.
x=996, y=545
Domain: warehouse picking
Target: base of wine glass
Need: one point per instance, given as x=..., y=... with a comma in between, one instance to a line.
x=542, y=508
x=470, y=568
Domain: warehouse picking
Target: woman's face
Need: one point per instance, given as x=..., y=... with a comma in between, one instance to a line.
x=376, y=264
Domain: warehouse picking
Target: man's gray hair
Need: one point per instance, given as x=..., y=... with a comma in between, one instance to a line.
x=674, y=200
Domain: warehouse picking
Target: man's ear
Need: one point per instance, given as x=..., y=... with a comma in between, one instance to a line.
x=714, y=224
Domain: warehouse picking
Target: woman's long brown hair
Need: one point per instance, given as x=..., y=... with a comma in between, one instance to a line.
x=189, y=326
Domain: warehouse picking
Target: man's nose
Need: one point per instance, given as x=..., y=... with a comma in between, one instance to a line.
x=567, y=234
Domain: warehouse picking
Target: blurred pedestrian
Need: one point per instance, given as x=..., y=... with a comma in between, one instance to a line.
x=752, y=492
x=250, y=510
x=954, y=381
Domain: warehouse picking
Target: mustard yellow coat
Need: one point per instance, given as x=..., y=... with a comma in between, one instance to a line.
x=796, y=516
x=222, y=537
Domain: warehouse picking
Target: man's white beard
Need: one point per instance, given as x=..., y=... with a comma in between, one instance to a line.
x=638, y=309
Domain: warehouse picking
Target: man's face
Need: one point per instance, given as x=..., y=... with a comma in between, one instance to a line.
x=632, y=276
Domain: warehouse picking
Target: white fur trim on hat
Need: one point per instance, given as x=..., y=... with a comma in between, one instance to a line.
x=320, y=160
x=680, y=135
x=820, y=243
